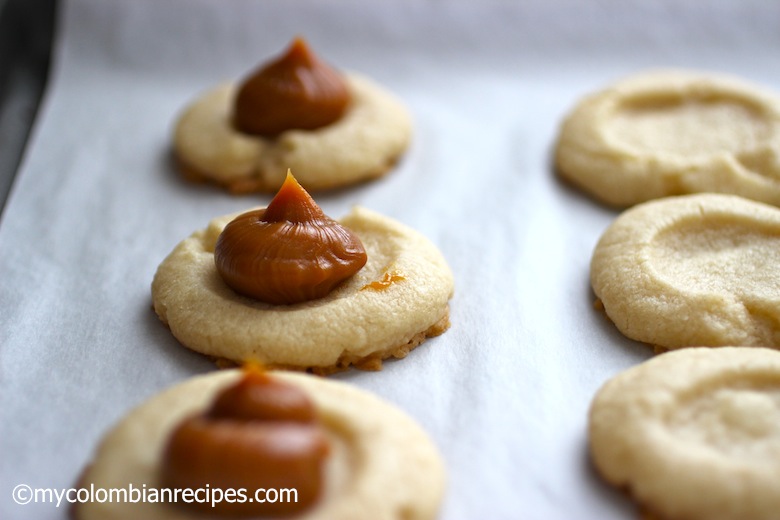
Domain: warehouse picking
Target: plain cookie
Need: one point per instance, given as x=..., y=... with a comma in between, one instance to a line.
x=695, y=270
x=382, y=465
x=694, y=434
x=673, y=132
x=364, y=144
x=397, y=300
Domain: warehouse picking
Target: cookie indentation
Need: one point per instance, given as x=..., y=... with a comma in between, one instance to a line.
x=693, y=433
x=716, y=255
x=739, y=421
x=688, y=127
x=696, y=270
x=673, y=132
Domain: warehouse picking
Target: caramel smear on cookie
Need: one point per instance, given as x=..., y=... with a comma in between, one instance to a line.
x=258, y=433
x=389, y=278
x=295, y=91
x=289, y=252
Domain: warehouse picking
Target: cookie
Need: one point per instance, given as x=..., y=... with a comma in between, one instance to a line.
x=694, y=270
x=673, y=132
x=694, y=433
x=398, y=299
x=380, y=463
x=362, y=143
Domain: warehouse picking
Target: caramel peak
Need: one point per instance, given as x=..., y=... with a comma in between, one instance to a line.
x=294, y=91
x=292, y=203
x=300, y=52
x=253, y=369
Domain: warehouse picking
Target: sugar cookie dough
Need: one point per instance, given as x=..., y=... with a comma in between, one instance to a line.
x=695, y=270
x=363, y=144
x=398, y=299
x=694, y=433
x=381, y=465
x=673, y=132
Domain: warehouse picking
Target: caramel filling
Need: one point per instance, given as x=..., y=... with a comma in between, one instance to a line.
x=289, y=252
x=295, y=91
x=258, y=433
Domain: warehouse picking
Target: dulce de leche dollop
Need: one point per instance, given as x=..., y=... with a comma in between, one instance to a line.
x=295, y=91
x=259, y=433
x=289, y=252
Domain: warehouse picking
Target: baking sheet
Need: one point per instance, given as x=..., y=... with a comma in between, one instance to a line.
x=505, y=392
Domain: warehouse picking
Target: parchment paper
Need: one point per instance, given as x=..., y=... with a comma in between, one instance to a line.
x=505, y=393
